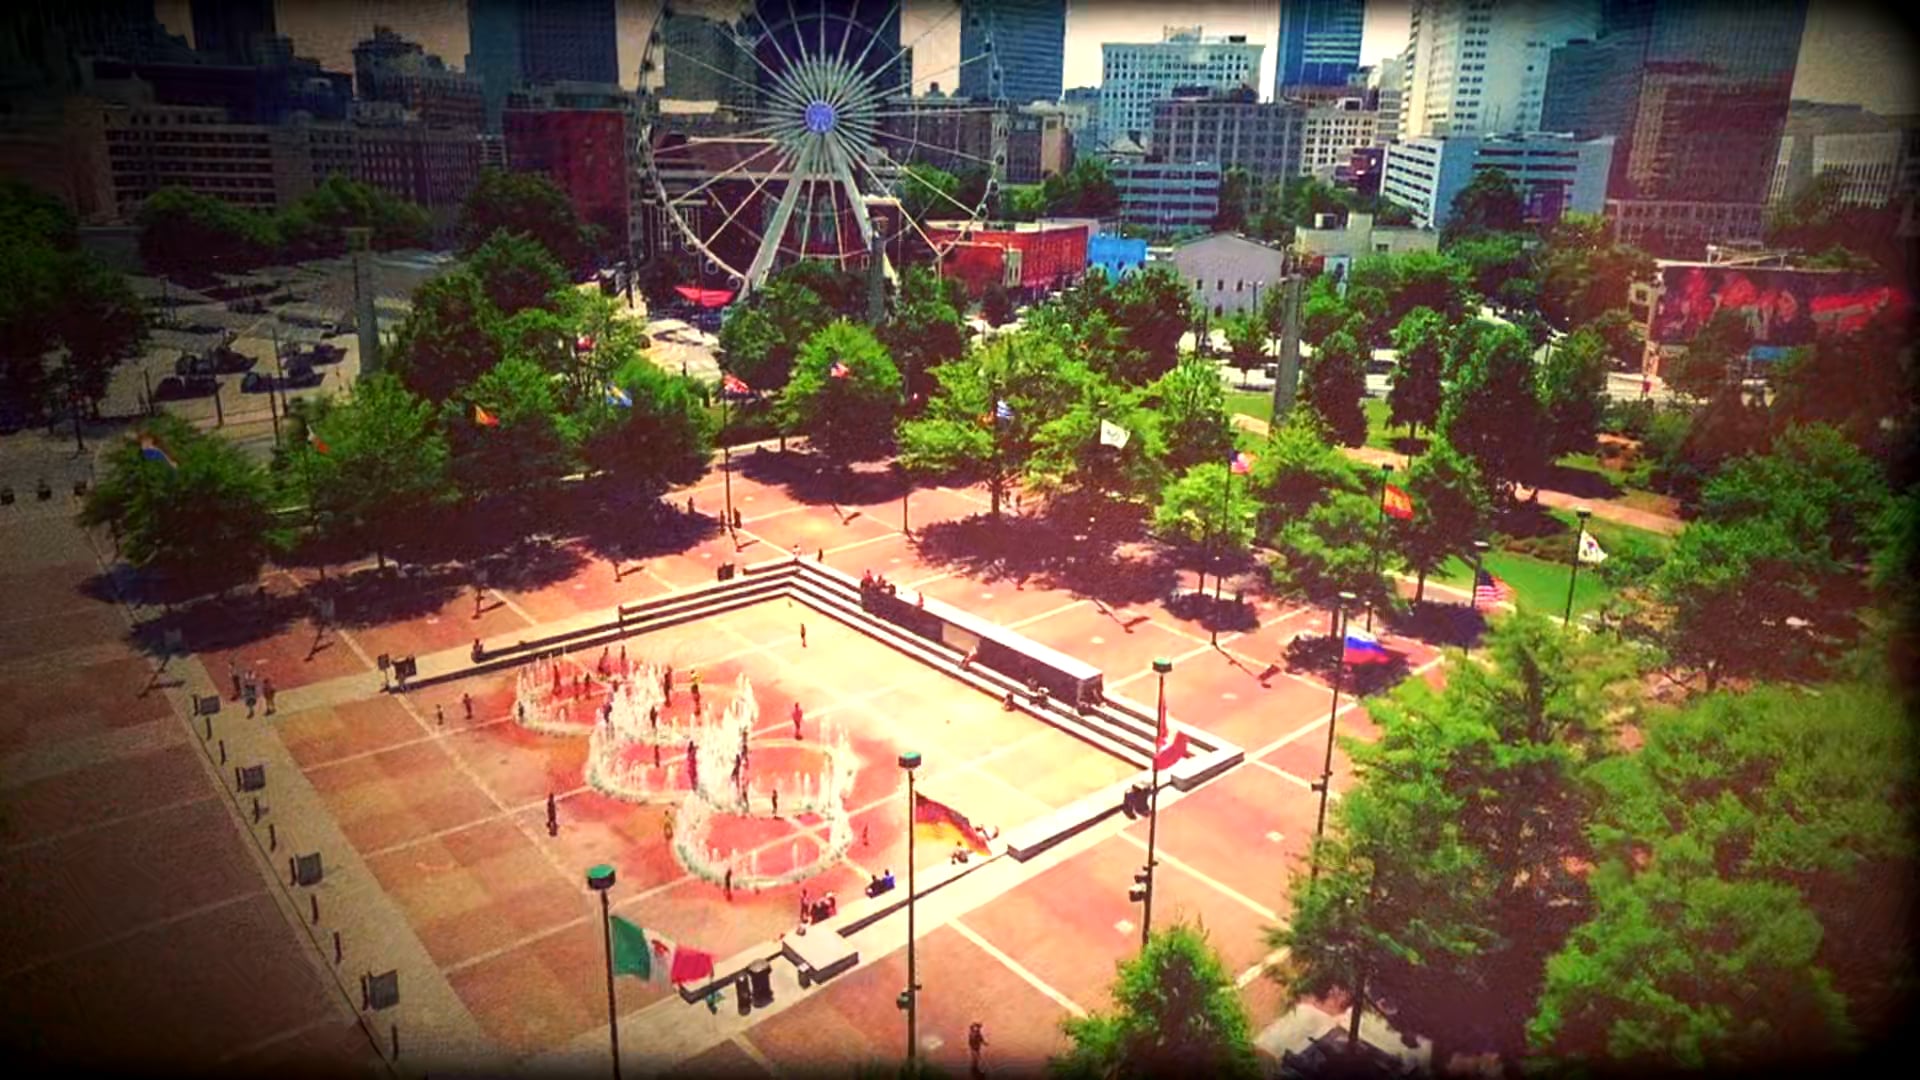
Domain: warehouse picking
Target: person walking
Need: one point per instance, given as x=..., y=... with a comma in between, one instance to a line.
x=803, y=635
x=976, y=1042
x=266, y=691
x=466, y=704
x=693, y=682
x=553, y=815
x=796, y=721
x=728, y=885
x=234, y=674
x=666, y=684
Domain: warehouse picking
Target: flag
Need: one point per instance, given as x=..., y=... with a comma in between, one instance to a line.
x=839, y=370
x=485, y=418
x=734, y=384
x=1241, y=463
x=1590, y=549
x=1112, y=434
x=631, y=956
x=1363, y=648
x=1002, y=410
x=681, y=963
x=584, y=343
x=942, y=824
x=319, y=445
x=1167, y=752
x=1397, y=503
x=1490, y=590
x=151, y=450
x=618, y=397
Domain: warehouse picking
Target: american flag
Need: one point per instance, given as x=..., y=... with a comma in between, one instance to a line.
x=1489, y=590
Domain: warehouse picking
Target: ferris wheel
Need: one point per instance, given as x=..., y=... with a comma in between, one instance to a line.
x=777, y=130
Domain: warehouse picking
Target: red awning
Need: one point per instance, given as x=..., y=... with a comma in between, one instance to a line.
x=706, y=298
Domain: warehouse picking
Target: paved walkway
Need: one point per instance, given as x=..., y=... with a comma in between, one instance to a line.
x=1606, y=509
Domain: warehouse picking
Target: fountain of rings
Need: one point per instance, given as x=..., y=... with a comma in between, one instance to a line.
x=542, y=702
x=639, y=753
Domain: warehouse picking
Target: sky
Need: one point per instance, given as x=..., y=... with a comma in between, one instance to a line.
x=1852, y=53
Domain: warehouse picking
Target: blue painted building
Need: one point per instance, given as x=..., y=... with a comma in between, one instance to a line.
x=1319, y=42
x=1117, y=255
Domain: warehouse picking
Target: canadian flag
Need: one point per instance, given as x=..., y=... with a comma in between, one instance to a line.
x=1168, y=751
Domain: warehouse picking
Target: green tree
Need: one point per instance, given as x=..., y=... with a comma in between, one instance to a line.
x=1715, y=357
x=1176, y=1013
x=1191, y=406
x=1625, y=344
x=450, y=336
x=1246, y=341
x=1492, y=411
x=1207, y=509
x=1085, y=190
x=848, y=416
x=1332, y=549
x=759, y=338
x=996, y=305
x=516, y=272
x=1298, y=470
x=1334, y=380
x=314, y=225
x=527, y=203
x=1730, y=590
x=1583, y=274
x=1153, y=309
x=1489, y=204
x=523, y=455
x=383, y=466
x=926, y=192
x=1236, y=200
x=1494, y=260
x=1068, y=452
x=1864, y=383
x=1449, y=513
x=185, y=233
x=1322, y=312
x=1420, y=342
x=1573, y=392
x=202, y=522
x=1416, y=279
x=1812, y=481
x=925, y=330
x=664, y=438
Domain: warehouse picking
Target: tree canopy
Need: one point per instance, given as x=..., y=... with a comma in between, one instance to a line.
x=844, y=393
x=1176, y=1013
x=525, y=203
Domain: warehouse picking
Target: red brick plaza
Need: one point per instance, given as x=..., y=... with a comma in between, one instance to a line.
x=438, y=801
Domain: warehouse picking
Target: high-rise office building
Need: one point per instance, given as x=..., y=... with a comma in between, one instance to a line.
x=1387, y=87
x=701, y=59
x=1012, y=50
x=231, y=30
x=1696, y=96
x=1233, y=129
x=1319, y=43
x=533, y=42
x=390, y=68
x=1135, y=75
x=1479, y=67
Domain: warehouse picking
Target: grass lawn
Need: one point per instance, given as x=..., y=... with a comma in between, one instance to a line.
x=1538, y=586
x=1252, y=403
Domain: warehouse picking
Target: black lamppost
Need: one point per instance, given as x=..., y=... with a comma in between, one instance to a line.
x=1479, y=567
x=1578, y=541
x=1379, y=537
x=909, y=998
x=600, y=879
x=1160, y=667
x=1325, y=782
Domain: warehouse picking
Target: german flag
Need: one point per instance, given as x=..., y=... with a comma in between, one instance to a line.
x=939, y=823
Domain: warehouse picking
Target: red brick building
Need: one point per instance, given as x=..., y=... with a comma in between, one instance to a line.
x=1029, y=258
x=583, y=140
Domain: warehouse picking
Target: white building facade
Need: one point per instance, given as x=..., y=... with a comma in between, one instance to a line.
x=1135, y=75
x=1479, y=67
x=1554, y=173
x=1330, y=133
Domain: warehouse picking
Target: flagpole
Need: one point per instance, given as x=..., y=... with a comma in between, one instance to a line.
x=726, y=455
x=1160, y=667
x=909, y=998
x=600, y=879
x=1578, y=541
x=1333, y=715
x=1379, y=537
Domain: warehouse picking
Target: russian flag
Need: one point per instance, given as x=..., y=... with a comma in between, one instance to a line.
x=1363, y=648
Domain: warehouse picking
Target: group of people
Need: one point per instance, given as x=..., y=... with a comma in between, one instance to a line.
x=251, y=688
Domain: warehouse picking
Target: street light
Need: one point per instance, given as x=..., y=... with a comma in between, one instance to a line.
x=1326, y=768
x=600, y=879
x=909, y=998
x=1160, y=668
x=1480, y=548
x=1379, y=535
x=1580, y=537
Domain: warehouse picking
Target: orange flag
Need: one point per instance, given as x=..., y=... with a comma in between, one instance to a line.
x=1397, y=503
x=485, y=418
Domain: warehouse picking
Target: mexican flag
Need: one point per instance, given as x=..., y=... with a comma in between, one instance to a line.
x=650, y=955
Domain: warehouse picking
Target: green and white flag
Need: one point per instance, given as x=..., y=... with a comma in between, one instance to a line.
x=1590, y=549
x=631, y=956
x=1112, y=434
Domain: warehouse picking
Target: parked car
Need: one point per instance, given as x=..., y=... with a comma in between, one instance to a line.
x=300, y=375
x=256, y=382
x=228, y=360
x=185, y=386
x=192, y=365
x=325, y=353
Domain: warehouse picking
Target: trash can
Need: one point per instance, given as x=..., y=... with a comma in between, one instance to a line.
x=743, y=995
x=761, y=973
x=725, y=572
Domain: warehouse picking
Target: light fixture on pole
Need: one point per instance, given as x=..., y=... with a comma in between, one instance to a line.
x=909, y=998
x=1325, y=783
x=600, y=879
x=1379, y=536
x=1579, y=540
x=1161, y=667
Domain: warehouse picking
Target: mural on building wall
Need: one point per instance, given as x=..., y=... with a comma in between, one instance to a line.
x=1783, y=307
